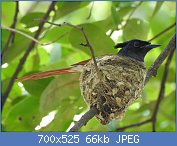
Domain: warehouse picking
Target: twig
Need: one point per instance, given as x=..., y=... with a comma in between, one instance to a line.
x=133, y=125
x=132, y=12
x=162, y=89
x=12, y=34
x=128, y=19
x=84, y=119
x=20, y=32
x=162, y=32
x=30, y=37
x=23, y=59
x=90, y=12
x=153, y=69
x=84, y=34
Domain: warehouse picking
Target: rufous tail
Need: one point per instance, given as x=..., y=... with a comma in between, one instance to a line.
x=47, y=74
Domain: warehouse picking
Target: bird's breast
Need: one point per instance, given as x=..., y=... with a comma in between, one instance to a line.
x=121, y=82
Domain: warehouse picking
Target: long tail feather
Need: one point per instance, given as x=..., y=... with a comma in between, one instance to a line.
x=49, y=73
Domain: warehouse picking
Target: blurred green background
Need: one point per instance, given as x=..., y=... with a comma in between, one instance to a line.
x=53, y=104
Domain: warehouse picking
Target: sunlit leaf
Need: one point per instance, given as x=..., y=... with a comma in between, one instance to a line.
x=65, y=8
x=100, y=42
x=36, y=88
x=32, y=19
x=136, y=29
x=26, y=120
x=157, y=8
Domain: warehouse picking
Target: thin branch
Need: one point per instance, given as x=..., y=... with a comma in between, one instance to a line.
x=90, y=12
x=84, y=34
x=84, y=119
x=53, y=41
x=162, y=32
x=128, y=19
x=132, y=12
x=134, y=125
x=12, y=34
x=30, y=37
x=20, y=32
x=153, y=69
x=23, y=59
x=162, y=90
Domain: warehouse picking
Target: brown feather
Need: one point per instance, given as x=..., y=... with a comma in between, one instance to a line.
x=47, y=74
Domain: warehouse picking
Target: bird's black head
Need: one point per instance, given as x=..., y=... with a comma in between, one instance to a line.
x=136, y=49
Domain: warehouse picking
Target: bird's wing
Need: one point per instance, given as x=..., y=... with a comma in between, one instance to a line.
x=76, y=68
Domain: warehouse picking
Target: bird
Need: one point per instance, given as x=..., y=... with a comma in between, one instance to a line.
x=117, y=83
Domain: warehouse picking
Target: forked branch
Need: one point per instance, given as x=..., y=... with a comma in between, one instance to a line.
x=83, y=33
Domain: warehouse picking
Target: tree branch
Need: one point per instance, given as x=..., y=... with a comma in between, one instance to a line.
x=134, y=125
x=84, y=119
x=162, y=89
x=153, y=69
x=23, y=59
x=84, y=34
x=128, y=19
x=162, y=32
x=12, y=34
x=30, y=37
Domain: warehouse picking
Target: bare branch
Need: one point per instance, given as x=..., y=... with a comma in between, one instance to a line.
x=12, y=34
x=134, y=125
x=127, y=20
x=84, y=34
x=84, y=119
x=23, y=59
x=162, y=90
x=162, y=32
x=153, y=69
x=30, y=37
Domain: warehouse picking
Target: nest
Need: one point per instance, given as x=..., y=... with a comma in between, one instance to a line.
x=120, y=82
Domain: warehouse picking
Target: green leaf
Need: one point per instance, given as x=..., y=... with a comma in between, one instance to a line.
x=157, y=8
x=8, y=12
x=57, y=32
x=65, y=114
x=65, y=8
x=4, y=37
x=100, y=42
x=136, y=29
x=17, y=48
x=36, y=61
x=58, y=91
x=16, y=90
x=36, y=87
x=30, y=19
x=23, y=116
x=115, y=16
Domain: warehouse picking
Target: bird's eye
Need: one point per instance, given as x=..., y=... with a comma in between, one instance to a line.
x=136, y=44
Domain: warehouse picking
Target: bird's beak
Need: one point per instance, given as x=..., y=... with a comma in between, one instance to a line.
x=150, y=46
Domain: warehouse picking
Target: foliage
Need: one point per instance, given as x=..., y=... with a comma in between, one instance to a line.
x=29, y=101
